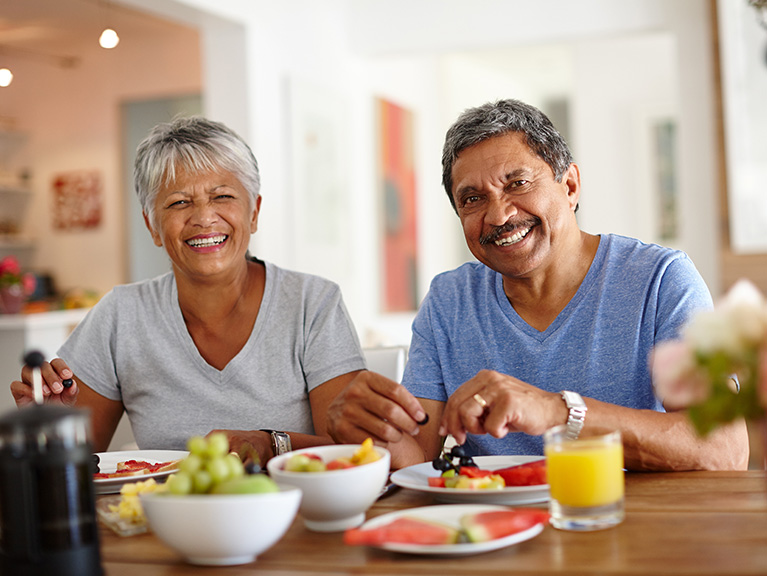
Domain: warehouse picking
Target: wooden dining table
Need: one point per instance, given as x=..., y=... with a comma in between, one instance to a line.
x=688, y=523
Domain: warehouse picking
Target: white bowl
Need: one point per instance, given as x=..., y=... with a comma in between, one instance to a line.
x=334, y=500
x=221, y=529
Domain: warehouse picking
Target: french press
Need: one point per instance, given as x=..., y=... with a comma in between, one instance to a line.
x=48, y=524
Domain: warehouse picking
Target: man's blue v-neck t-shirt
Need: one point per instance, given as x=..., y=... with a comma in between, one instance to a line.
x=634, y=296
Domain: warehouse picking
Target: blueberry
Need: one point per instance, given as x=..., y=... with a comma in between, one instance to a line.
x=467, y=461
x=458, y=451
x=441, y=464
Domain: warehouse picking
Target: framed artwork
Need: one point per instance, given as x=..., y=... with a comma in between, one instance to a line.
x=396, y=183
x=664, y=140
x=77, y=201
x=744, y=85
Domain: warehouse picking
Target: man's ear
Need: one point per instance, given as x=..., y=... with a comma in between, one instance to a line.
x=155, y=236
x=572, y=181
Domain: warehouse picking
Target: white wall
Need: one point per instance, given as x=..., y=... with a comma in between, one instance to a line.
x=626, y=59
x=72, y=116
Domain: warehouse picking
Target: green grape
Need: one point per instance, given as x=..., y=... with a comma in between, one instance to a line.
x=180, y=483
x=218, y=445
x=197, y=445
x=236, y=468
x=202, y=481
x=218, y=469
x=191, y=464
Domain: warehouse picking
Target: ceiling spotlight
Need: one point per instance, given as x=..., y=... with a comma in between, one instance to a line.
x=109, y=39
x=6, y=77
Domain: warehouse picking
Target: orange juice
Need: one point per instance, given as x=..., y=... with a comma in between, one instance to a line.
x=585, y=472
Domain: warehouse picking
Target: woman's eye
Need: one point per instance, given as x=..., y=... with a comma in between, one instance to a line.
x=177, y=203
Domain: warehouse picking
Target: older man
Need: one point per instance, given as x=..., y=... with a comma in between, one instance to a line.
x=551, y=326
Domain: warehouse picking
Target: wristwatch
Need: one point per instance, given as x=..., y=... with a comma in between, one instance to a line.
x=577, y=416
x=280, y=441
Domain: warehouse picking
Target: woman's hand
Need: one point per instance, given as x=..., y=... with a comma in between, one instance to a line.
x=54, y=374
x=497, y=404
x=250, y=445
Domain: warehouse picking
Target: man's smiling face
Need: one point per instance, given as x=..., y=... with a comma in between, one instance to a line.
x=513, y=212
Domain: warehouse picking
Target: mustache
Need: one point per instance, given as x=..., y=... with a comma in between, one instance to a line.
x=499, y=231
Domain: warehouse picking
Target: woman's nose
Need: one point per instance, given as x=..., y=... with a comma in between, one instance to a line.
x=204, y=214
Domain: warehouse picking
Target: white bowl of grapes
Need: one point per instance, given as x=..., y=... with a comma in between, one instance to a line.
x=339, y=482
x=213, y=512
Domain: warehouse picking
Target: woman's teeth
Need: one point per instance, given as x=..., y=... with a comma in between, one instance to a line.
x=205, y=242
x=513, y=239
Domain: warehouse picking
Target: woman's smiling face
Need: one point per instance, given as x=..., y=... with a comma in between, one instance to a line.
x=204, y=222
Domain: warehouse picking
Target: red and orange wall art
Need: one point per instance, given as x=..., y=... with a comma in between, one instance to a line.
x=398, y=200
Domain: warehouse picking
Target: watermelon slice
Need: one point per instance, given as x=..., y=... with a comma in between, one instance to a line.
x=403, y=530
x=528, y=474
x=484, y=526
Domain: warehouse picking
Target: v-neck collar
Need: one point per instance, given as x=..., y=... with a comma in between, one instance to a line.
x=587, y=283
x=177, y=319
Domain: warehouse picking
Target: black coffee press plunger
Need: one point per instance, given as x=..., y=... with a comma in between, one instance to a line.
x=48, y=524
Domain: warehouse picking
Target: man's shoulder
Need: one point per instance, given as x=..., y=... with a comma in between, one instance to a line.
x=638, y=252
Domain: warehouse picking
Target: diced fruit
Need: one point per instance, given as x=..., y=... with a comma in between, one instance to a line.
x=253, y=484
x=365, y=454
x=436, y=481
x=340, y=464
x=528, y=474
x=308, y=462
x=495, y=524
x=403, y=530
x=473, y=472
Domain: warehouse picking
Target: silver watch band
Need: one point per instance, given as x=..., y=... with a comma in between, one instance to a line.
x=280, y=441
x=576, y=418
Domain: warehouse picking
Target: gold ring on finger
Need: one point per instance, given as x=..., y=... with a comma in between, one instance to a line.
x=481, y=401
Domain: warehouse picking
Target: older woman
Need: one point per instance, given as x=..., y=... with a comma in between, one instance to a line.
x=224, y=341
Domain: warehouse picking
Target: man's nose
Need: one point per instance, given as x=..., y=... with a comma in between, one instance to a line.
x=500, y=209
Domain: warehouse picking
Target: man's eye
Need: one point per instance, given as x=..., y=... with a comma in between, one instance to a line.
x=517, y=183
x=470, y=199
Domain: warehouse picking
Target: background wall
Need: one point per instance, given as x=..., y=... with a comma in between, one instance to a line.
x=614, y=66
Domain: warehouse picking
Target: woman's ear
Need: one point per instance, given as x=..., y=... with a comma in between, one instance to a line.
x=155, y=236
x=254, y=215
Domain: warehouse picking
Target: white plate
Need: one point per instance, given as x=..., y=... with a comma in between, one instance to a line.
x=451, y=516
x=416, y=477
x=108, y=463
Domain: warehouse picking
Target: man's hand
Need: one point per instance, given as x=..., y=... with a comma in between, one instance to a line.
x=497, y=404
x=376, y=407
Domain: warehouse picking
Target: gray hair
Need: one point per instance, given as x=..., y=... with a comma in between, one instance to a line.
x=195, y=144
x=495, y=119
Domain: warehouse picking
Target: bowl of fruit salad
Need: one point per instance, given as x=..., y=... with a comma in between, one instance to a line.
x=213, y=512
x=339, y=482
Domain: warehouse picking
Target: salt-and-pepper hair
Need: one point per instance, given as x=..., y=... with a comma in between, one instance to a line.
x=194, y=144
x=478, y=124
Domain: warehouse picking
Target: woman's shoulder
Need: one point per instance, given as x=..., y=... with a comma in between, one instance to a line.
x=293, y=280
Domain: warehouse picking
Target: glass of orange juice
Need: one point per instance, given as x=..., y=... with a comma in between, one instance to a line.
x=585, y=479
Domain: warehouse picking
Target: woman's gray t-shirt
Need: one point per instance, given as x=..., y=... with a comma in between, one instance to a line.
x=134, y=346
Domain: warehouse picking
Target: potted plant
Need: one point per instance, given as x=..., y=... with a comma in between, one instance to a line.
x=14, y=286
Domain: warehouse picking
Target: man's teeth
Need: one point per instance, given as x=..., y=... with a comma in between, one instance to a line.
x=205, y=242
x=513, y=239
